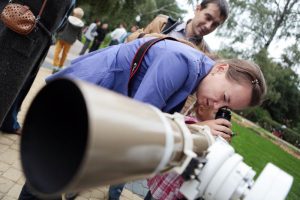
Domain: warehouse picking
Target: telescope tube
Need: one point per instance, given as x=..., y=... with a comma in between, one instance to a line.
x=77, y=135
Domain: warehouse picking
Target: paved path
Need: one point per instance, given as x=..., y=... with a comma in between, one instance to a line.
x=11, y=176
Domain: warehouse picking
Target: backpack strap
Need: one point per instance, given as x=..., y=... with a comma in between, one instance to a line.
x=170, y=25
x=138, y=58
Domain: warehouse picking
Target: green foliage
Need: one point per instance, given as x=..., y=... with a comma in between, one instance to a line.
x=258, y=151
x=291, y=56
x=116, y=11
x=255, y=114
x=284, y=95
x=271, y=72
x=289, y=135
x=263, y=118
x=292, y=138
x=106, y=41
x=283, y=84
x=229, y=52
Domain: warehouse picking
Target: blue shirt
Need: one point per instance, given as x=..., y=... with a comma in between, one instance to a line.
x=169, y=73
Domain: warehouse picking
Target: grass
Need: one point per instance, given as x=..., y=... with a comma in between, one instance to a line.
x=258, y=151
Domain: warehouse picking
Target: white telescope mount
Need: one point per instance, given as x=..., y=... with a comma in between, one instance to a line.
x=221, y=174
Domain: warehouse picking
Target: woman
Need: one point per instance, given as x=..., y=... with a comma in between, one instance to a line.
x=169, y=73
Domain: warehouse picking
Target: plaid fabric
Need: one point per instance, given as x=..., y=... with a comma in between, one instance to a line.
x=166, y=186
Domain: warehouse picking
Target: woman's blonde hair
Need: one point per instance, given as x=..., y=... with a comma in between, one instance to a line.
x=243, y=71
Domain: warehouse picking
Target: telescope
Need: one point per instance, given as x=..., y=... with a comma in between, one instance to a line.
x=77, y=135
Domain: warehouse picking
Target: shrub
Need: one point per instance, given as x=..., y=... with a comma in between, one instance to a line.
x=263, y=118
x=256, y=114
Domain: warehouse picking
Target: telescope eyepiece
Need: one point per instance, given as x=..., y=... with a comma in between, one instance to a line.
x=224, y=113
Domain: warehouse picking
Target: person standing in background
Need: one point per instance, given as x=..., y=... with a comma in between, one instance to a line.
x=209, y=15
x=133, y=29
x=67, y=37
x=101, y=33
x=118, y=34
x=90, y=35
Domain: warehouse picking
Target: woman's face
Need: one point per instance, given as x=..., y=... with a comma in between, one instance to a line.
x=216, y=91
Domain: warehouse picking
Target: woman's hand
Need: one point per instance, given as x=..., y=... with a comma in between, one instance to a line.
x=219, y=127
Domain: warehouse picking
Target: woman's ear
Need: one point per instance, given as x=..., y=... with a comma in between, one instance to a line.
x=221, y=68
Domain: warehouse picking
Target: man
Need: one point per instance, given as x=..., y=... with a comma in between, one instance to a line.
x=90, y=35
x=118, y=34
x=208, y=16
x=133, y=29
x=101, y=33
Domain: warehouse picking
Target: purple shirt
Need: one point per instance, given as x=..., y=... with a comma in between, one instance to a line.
x=169, y=73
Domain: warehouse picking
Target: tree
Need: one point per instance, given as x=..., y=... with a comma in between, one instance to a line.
x=291, y=57
x=282, y=100
x=193, y=3
x=251, y=28
x=115, y=11
x=258, y=23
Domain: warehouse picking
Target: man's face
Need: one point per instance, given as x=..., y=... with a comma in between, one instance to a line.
x=206, y=20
